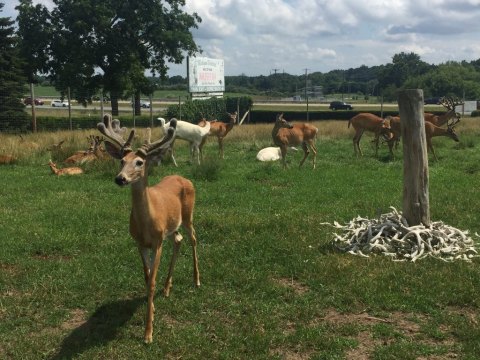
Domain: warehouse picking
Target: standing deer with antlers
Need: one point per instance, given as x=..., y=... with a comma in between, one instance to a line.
x=285, y=134
x=449, y=103
x=431, y=130
x=157, y=211
x=218, y=129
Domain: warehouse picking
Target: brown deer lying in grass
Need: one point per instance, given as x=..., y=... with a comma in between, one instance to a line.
x=431, y=130
x=7, y=159
x=65, y=171
x=157, y=211
x=94, y=152
x=285, y=135
x=218, y=129
x=368, y=122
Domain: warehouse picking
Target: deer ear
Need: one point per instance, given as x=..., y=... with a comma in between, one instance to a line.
x=112, y=150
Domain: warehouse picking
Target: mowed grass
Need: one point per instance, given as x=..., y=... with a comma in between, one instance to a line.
x=273, y=285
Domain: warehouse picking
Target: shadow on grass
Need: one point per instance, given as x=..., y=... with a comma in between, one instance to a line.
x=101, y=328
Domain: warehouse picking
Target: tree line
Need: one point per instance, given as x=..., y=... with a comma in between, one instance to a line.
x=88, y=48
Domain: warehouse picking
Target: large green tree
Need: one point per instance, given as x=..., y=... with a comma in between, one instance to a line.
x=109, y=44
x=12, y=82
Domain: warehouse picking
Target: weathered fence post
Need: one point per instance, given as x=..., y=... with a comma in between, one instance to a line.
x=416, y=207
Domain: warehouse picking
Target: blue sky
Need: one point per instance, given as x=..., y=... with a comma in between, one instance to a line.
x=256, y=37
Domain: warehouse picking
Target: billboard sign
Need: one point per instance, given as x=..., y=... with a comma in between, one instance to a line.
x=205, y=75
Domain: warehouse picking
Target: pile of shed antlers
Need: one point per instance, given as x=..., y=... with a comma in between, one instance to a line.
x=391, y=236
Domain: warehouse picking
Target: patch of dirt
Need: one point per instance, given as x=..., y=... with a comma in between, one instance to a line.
x=407, y=324
x=42, y=256
x=9, y=269
x=77, y=318
x=297, y=287
x=290, y=354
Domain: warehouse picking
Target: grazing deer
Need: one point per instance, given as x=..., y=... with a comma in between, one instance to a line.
x=192, y=133
x=157, y=211
x=431, y=130
x=449, y=103
x=7, y=159
x=285, y=134
x=368, y=122
x=396, y=131
x=65, y=171
x=220, y=130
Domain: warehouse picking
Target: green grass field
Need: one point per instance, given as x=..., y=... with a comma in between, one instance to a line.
x=273, y=285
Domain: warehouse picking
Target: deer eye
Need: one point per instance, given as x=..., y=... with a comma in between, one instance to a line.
x=139, y=163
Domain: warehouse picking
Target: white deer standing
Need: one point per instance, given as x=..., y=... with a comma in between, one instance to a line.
x=157, y=211
x=192, y=133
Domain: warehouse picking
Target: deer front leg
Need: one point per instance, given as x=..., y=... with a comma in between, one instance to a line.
x=283, y=150
x=305, y=153
x=144, y=252
x=151, y=293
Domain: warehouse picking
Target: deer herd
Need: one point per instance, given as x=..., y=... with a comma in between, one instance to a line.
x=158, y=211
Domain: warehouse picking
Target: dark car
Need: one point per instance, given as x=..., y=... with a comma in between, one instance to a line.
x=340, y=105
x=28, y=101
x=432, y=101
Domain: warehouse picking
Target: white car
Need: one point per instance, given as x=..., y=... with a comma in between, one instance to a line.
x=59, y=103
x=143, y=104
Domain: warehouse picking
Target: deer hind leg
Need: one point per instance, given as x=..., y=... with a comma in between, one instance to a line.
x=220, y=147
x=151, y=293
x=314, y=150
x=177, y=242
x=305, y=152
x=193, y=239
x=195, y=152
x=356, y=142
x=172, y=154
x=430, y=146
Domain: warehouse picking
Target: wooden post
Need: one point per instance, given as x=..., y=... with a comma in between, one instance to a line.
x=34, y=116
x=416, y=207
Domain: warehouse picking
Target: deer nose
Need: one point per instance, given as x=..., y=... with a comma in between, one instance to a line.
x=120, y=180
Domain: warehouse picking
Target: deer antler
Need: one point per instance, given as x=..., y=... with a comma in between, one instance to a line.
x=450, y=102
x=455, y=121
x=152, y=149
x=112, y=133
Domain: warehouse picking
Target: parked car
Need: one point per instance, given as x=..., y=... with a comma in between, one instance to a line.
x=340, y=105
x=143, y=104
x=433, y=101
x=28, y=101
x=59, y=103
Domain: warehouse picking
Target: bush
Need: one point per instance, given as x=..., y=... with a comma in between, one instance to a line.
x=214, y=108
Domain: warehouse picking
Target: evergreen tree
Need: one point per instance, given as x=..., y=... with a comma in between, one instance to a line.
x=12, y=82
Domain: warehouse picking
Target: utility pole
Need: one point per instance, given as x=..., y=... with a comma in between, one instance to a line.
x=306, y=93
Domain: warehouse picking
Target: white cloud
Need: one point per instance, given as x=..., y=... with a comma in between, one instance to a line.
x=254, y=37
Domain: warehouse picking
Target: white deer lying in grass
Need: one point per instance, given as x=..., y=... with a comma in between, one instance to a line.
x=192, y=133
x=271, y=153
